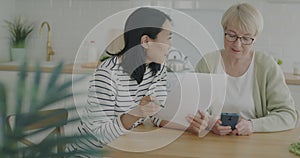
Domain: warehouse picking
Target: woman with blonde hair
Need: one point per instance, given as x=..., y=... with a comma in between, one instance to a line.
x=256, y=88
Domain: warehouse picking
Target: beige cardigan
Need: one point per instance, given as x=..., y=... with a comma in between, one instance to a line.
x=274, y=105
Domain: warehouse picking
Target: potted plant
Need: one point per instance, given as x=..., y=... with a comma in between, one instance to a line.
x=19, y=30
x=38, y=100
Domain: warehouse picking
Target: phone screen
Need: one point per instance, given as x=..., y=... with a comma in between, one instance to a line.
x=230, y=119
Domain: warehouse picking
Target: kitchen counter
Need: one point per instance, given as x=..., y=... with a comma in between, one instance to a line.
x=292, y=79
x=67, y=68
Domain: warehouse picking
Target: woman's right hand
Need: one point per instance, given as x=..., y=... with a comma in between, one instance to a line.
x=197, y=123
x=221, y=130
x=146, y=107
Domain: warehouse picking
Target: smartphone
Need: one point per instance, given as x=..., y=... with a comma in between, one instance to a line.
x=230, y=119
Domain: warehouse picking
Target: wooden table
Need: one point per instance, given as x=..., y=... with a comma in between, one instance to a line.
x=258, y=145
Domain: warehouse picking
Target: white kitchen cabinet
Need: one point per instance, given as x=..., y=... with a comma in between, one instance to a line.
x=10, y=78
x=43, y=85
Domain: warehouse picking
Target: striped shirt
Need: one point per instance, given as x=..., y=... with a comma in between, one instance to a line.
x=112, y=93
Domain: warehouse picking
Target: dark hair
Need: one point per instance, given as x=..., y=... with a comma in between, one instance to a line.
x=143, y=21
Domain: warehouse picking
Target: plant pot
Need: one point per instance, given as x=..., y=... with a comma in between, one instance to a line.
x=18, y=54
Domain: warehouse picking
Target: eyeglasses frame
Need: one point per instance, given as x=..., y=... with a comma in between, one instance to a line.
x=238, y=37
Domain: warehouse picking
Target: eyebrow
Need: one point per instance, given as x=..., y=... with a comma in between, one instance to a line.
x=247, y=34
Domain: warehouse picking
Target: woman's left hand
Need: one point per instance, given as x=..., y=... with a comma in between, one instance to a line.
x=243, y=128
x=197, y=124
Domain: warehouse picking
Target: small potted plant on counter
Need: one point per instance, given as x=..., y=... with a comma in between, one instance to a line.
x=19, y=30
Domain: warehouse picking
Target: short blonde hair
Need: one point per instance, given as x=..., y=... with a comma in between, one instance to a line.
x=245, y=17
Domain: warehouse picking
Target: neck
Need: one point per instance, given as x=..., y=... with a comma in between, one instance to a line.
x=237, y=61
x=236, y=67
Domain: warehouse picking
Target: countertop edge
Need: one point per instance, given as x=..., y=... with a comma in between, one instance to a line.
x=290, y=78
x=67, y=69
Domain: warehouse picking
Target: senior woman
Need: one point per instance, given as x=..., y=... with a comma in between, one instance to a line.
x=256, y=88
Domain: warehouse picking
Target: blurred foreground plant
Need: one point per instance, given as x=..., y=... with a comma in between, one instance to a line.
x=38, y=100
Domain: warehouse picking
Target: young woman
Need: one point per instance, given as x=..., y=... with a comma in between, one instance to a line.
x=130, y=87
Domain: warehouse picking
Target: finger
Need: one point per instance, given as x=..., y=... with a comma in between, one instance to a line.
x=220, y=127
x=224, y=129
x=199, y=122
x=200, y=125
x=194, y=118
x=222, y=133
x=239, y=124
x=145, y=100
x=242, y=132
x=235, y=131
x=152, y=98
x=194, y=129
x=191, y=121
x=203, y=126
x=202, y=115
x=150, y=109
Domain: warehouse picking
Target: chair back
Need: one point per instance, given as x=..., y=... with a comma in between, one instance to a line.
x=52, y=121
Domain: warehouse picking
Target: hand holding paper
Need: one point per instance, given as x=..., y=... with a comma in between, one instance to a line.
x=193, y=92
x=146, y=107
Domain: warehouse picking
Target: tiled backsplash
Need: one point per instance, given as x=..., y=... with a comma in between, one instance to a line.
x=71, y=20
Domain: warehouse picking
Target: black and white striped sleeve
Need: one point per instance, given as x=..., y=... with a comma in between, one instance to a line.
x=160, y=92
x=102, y=120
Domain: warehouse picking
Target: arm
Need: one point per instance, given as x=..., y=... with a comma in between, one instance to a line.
x=101, y=118
x=159, y=91
x=278, y=108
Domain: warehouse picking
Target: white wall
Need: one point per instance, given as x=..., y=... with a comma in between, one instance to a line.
x=71, y=20
x=7, y=9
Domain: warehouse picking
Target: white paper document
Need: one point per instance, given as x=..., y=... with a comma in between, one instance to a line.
x=189, y=92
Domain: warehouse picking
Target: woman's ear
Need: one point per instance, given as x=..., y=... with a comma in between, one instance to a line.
x=145, y=41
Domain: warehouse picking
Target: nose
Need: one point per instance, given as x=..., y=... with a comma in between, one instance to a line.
x=238, y=41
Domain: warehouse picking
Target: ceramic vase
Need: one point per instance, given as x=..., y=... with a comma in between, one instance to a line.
x=18, y=54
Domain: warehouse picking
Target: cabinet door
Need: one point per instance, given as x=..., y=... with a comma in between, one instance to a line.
x=9, y=79
x=43, y=87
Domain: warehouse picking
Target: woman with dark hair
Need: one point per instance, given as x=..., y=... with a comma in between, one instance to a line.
x=130, y=87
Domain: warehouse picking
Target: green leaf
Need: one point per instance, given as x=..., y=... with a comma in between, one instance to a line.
x=38, y=99
x=3, y=108
x=35, y=89
x=54, y=76
x=19, y=30
x=20, y=92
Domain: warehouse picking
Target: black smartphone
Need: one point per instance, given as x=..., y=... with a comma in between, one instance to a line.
x=230, y=119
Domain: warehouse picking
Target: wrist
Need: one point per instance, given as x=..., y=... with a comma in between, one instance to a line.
x=128, y=120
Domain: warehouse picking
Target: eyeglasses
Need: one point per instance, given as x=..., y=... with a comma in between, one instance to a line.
x=244, y=39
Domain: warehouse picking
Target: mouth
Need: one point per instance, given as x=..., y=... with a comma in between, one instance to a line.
x=235, y=50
